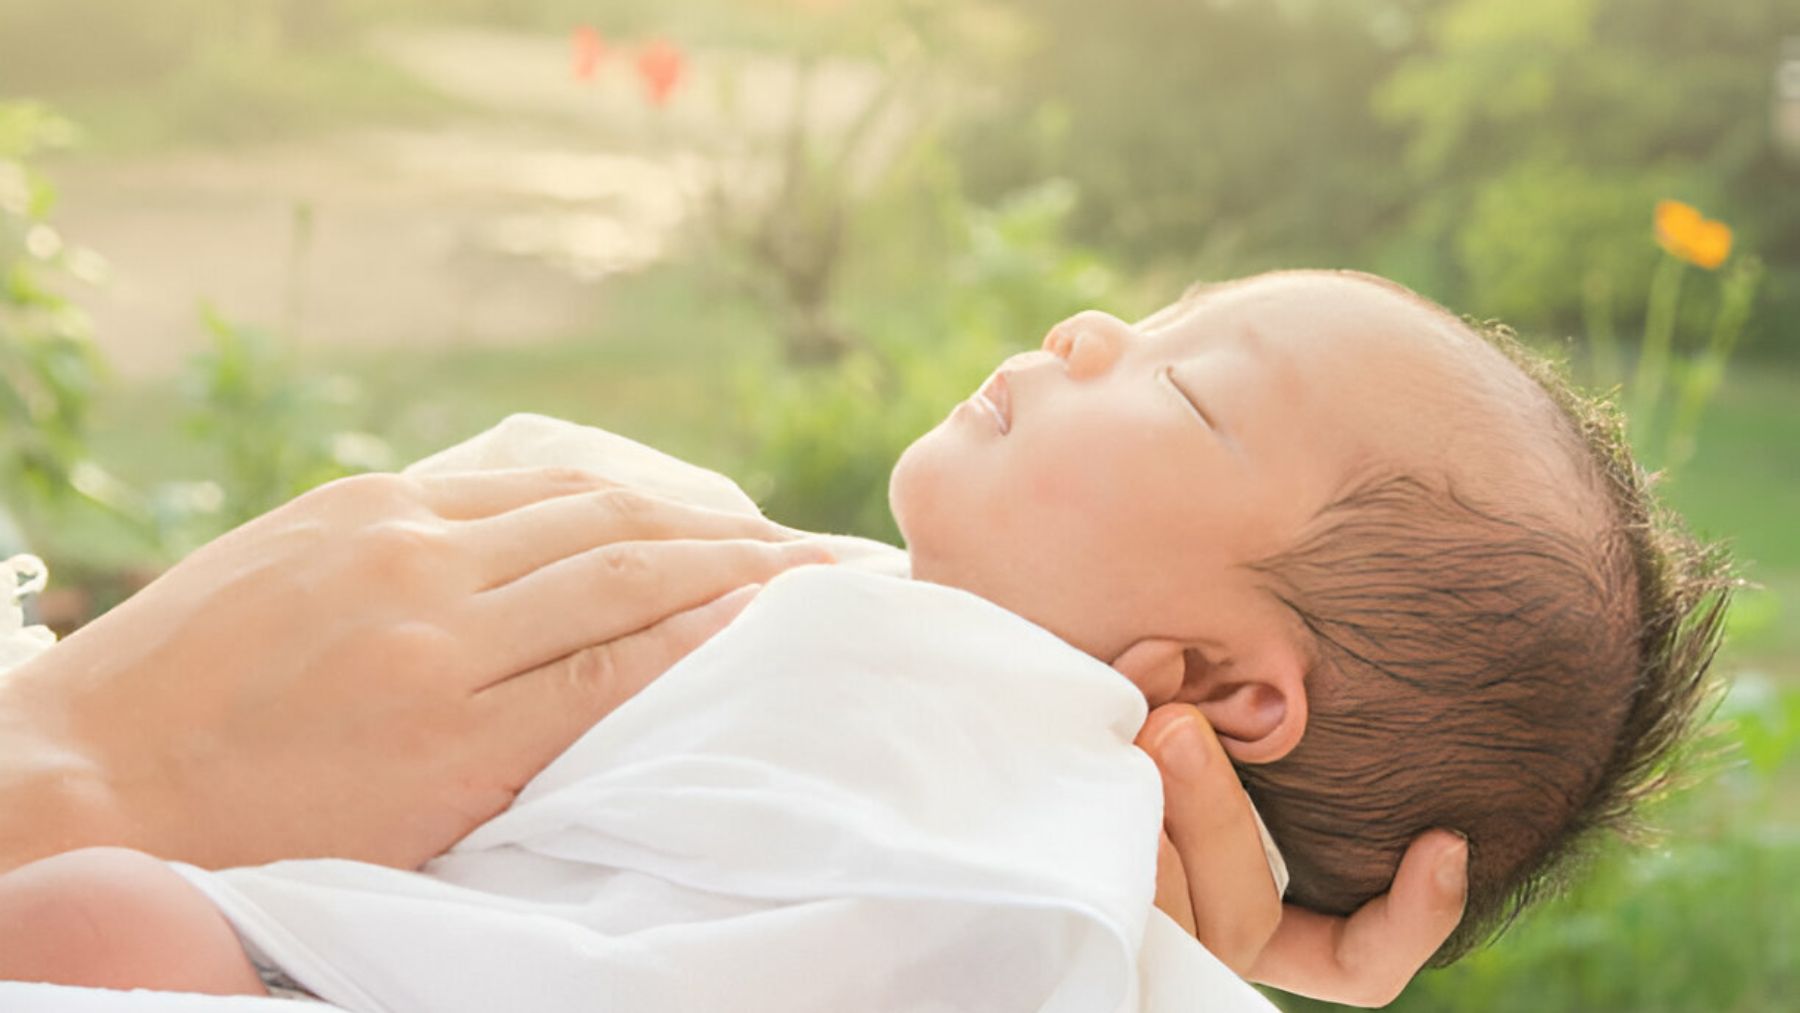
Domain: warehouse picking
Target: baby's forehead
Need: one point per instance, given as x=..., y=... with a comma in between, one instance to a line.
x=1320, y=316
x=1373, y=372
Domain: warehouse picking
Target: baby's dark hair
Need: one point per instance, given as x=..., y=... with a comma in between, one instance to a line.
x=1521, y=680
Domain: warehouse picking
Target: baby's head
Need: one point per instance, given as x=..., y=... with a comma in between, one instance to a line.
x=1408, y=576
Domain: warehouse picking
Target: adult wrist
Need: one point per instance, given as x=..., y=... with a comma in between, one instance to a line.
x=54, y=794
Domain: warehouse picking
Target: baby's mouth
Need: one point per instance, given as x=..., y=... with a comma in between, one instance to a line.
x=995, y=398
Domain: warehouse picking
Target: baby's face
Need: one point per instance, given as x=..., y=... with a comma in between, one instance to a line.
x=1112, y=486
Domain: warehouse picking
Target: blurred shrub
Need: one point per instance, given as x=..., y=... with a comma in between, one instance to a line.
x=275, y=429
x=1541, y=129
x=1225, y=136
x=48, y=366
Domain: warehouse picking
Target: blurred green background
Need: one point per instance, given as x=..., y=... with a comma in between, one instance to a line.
x=249, y=245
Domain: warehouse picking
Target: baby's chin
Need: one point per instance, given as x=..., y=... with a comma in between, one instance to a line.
x=931, y=524
x=909, y=500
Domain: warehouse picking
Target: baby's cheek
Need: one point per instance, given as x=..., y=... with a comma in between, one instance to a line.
x=1056, y=490
x=1093, y=502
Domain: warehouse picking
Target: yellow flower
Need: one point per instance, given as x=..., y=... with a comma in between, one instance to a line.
x=1685, y=232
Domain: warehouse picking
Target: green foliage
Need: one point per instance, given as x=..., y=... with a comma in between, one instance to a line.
x=1495, y=154
x=48, y=368
x=272, y=424
x=1545, y=129
x=1697, y=375
x=1221, y=136
x=277, y=429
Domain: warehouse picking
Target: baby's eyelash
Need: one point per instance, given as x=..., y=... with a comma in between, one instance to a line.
x=1167, y=373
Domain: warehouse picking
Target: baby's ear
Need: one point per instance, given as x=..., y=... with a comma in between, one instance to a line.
x=1155, y=667
x=1255, y=701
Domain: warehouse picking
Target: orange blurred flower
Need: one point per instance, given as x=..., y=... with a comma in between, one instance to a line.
x=1685, y=232
x=660, y=66
x=589, y=48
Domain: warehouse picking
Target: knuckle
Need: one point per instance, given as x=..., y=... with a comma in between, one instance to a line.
x=570, y=476
x=628, y=508
x=375, y=492
x=591, y=671
x=400, y=552
x=626, y=562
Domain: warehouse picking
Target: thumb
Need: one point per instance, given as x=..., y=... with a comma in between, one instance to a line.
x=1212, y=827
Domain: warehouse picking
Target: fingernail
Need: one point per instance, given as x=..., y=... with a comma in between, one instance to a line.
x=1179, y=747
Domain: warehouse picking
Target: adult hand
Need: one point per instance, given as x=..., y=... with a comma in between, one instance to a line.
x=369, y=671
x=1213, y=879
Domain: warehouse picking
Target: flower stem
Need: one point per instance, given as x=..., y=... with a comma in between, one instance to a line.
x=1702, y=379
x=1602, y=340
x=1653, y=356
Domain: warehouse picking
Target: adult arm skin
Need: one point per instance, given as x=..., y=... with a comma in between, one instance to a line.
x=1213, y=879
x=367, y=672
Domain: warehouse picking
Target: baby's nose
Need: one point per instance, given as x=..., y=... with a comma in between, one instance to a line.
x=1090, y=342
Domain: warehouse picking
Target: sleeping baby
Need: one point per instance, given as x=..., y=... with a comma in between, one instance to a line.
x=1410, y=579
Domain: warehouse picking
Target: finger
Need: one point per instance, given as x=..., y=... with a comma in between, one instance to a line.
x=510, y=545
x=616, y=590
x=1213, y=828
x=1172, y=886
x=542, y=711
x=465, y=495
x=1367, y=959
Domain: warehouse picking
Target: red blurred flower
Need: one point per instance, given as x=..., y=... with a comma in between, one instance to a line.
x=660, y=66
x=589, y=48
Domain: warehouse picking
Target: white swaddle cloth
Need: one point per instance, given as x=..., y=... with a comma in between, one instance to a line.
x=867, y=793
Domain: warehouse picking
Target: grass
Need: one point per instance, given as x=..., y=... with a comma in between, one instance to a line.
x=1744, y=487
x=275, y=96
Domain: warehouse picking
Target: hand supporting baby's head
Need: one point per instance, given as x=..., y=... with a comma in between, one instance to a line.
x=1409, y=576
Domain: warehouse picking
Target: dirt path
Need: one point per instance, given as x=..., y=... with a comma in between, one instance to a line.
x=493, y=229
